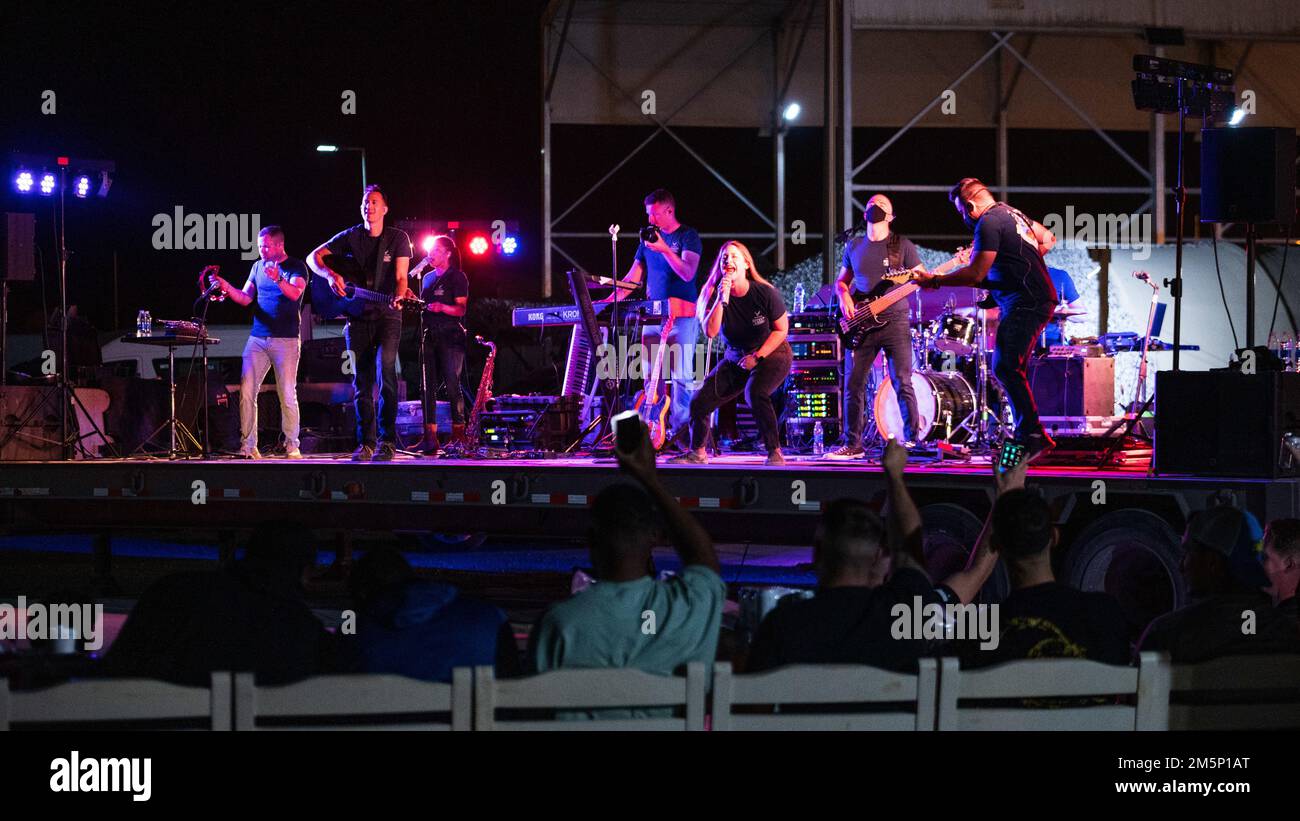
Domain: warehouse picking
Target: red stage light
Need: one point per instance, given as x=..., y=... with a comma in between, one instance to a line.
x=478, y=246
x=427, y=244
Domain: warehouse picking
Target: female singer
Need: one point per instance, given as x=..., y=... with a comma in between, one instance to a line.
x=750, y=313
x=446, y=290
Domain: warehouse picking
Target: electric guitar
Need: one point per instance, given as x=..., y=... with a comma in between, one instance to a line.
x=653, y=402
x=853, y=330
x=328, y=303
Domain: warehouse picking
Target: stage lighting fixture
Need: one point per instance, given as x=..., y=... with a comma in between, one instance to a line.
x=509, y=245
x=105, y=183
x=23, y=182
x=81, y=187
x=1237, y=116
x=478, y=246
x=327, y=148
x=47, y=184
x=427, y=244
x=792, y=112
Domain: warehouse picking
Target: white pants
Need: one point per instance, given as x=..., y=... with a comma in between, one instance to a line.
x=260, y=355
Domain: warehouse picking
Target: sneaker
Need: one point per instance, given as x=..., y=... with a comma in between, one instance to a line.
x=363, y=454
x=385, y=452
x=845, y=452
x=775, y=458
x=250, y=454
x=690, y=457
x=1037, y=444
x=293, y=454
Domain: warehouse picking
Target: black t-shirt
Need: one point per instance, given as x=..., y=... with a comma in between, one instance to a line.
x=444, y=289
x=748, y=320
x=1052, y=620
x=1018, y=278
x=376, y=257
x=845, y=625
x=1212, y=627
x=868, y=260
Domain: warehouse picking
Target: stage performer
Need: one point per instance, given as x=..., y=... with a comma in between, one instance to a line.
x=750, y=314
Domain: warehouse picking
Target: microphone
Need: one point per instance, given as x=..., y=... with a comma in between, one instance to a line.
x=726, y=286
x=845, y=234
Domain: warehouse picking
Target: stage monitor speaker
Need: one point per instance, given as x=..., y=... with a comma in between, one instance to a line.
x=1225, y=423
x=1073, y=386
x=18, y=246
x=1248, y=175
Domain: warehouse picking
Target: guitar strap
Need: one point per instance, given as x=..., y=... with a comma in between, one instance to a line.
x=894, y=246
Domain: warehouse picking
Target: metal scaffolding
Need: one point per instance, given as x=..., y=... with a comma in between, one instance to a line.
x=842, y=178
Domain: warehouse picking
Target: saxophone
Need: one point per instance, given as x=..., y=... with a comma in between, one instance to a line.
x=484, y=394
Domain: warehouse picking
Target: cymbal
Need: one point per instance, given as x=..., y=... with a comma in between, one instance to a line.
x=1066, y=311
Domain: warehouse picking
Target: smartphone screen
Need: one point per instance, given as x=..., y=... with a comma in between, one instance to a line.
x=1012, y=454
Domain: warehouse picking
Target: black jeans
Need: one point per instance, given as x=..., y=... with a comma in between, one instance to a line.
x=896, y=341
x=728, y=380
x=374, y=340
x=1018, y=330
x=444, y=357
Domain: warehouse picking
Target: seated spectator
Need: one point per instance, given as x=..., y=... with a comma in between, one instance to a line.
x=628, y=618
x=1282, y=563
x=1042, y=618
x=418, y=628
x=1229, y=614
x=249, y=616
x=850, y=620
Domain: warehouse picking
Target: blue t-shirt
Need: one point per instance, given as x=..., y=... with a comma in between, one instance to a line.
x=274, y=314
x=868, y=261
x=1067, y=292
x=662, y=281
x=1018, y=278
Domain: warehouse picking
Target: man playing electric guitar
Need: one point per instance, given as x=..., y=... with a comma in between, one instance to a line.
x=866, y=260
x=384, y=254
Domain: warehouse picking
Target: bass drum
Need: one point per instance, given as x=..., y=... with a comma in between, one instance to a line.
x=944, y=400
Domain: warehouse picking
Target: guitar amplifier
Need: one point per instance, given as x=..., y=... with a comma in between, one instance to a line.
x=1073, y=387
x=1226, y=423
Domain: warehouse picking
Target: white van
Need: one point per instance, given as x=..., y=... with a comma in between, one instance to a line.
x=132, y=359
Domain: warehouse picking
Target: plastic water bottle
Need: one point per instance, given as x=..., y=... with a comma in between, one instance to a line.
x=143, y=324
x=799, y=298
x=819, y=442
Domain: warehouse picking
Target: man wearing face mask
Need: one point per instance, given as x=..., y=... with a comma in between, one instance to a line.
x=866, y=260
x=1007, y=259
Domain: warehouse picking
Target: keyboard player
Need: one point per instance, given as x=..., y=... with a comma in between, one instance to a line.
x=668, y=258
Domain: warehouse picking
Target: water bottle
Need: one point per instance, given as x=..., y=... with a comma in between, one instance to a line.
x=819, y=442
x=799, y=298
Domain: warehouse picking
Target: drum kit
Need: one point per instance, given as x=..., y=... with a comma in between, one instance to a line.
x=961, y=406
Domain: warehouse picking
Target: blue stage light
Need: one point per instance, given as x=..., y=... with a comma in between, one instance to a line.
x=509, y=245
x=23, y=182
x=82, y=188
x=47, y=184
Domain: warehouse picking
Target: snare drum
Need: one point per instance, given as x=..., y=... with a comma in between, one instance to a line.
x=944, y=401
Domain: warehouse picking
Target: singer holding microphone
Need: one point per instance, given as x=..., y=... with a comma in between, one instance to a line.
x=750, y=314
x=445, y=289
x=274, y=289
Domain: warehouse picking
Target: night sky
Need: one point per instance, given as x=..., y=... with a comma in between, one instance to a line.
x=220, y=112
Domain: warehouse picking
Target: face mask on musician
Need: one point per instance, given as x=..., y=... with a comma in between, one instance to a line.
x=876, y=214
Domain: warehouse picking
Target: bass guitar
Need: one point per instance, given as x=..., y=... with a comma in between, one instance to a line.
x=866, y=319
x=652, y=403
